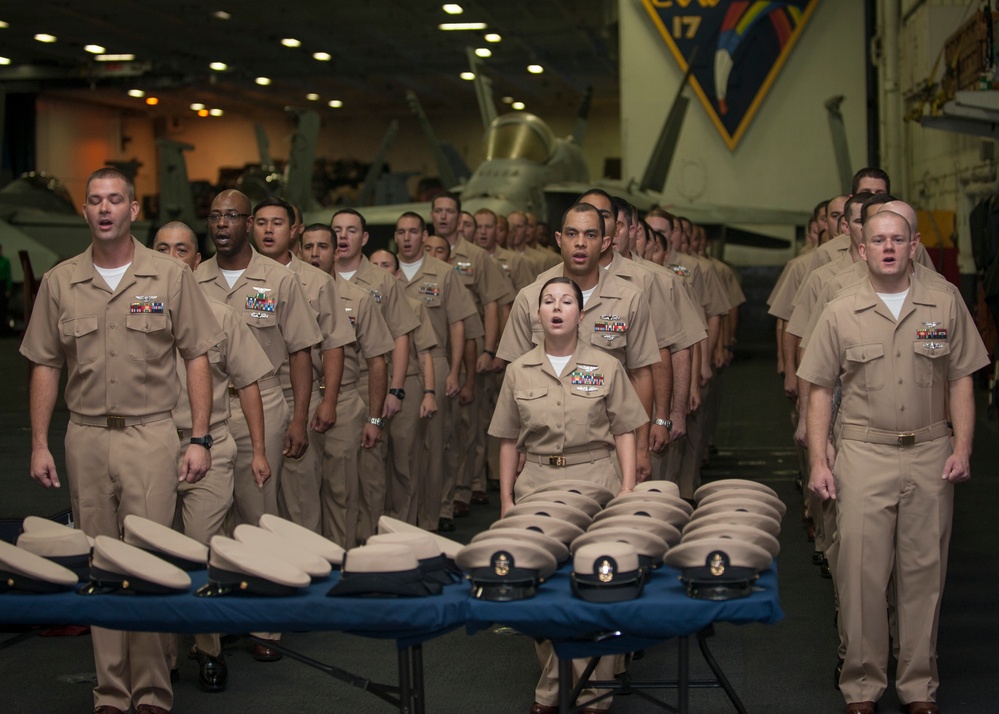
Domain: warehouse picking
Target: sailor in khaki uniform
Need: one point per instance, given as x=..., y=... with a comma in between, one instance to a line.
x=905, y=350
x=298, y=499
x=237, y=360
x=570, y=409
x=448, y=303
x=492, y=294
x=270, y=300
x=114, y=315
x=350, y=229
x=357, y=427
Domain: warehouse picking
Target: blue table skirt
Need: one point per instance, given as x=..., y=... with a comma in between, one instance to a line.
x=663, y=611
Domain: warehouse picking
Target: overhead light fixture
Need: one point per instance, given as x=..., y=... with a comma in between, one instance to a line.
x=493, y=37
x=452, y=9
x=215, y=112
x=335, y=103
x=152, y=101
x=483, y=52
x=291, y=42
x=535, y=68
x=3, y=25
x=221, y=15
x=468, y=76
x=93, y=49
x=219, y=66
x=517, y=105
x=202, y=112
x=263, y=81
x=507, y=100
x=137, y=93
x=312, y=97
x=4, y=60
x=115, y=58
x=197, y=107
x=322, y=56
x=44, y=37
x=446, y=26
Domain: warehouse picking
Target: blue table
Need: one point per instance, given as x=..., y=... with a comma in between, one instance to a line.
x=581, y=629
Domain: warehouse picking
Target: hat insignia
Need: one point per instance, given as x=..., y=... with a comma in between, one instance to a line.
x=605, y=571
x=717, y=564
x=501, y=565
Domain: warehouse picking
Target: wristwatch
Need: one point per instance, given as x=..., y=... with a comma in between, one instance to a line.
x=399, y=394
x=668, y=423
x=377, y=421
x=205, y=441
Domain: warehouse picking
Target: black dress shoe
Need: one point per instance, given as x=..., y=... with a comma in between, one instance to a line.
x=213, y=673
x=921, y=708
x=543, y=709
x=825, y=572
x=479, y=498
x=460, y=509
x=107, y=709
x=263, y=653
x=445, y=525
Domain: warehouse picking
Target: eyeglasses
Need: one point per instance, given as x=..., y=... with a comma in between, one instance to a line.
x=229, y=217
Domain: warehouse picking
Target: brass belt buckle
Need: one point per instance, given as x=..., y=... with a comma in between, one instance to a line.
x=906, y=439
x=556, y=461
x=116, y=422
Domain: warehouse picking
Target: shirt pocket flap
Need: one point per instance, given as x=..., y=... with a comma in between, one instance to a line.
x=865, y=353
x=79, y=326
x=528, y=393
x=145, y=322
x=931, y=348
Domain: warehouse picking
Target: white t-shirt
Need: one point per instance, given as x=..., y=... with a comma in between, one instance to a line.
x=231, y=276
x=410, y=269
x=347, y=276
x=558, y=363
x=894, y=301
x=587, y=293
x=112, y=276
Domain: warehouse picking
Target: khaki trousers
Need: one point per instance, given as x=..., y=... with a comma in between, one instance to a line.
x=250, y=501
x=546, y=692
x=114, y=473
x=894, y=517
x=298, y=497
x=406, y=434
x=436, y=451
x=606, y=472
x=372, y=465
x=690, y=466
x=339, y=489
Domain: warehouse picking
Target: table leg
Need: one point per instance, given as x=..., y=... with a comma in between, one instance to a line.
x=564, y=685
x=719, y=674
x=683, y=675
x=419, y=701
x=405, y=695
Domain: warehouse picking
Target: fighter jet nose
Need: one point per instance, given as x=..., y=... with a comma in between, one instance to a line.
x=519, y=135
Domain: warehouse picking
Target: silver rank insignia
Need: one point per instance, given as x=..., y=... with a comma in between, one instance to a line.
x=610, y=317
x=586, y=388
x=587, y=367
x=259, y=315
x=610, y=337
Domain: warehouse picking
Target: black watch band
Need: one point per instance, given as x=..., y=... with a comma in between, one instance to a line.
x=207, y=441
x=399, y=394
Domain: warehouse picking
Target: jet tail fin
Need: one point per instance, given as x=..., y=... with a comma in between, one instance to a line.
x=263, y=146
x=367, y=194
x=582, y=118
x=662, y=156
x=483, y=89
x=176, y=200
x=301, y=158
x=444, y=167
x=841, y=148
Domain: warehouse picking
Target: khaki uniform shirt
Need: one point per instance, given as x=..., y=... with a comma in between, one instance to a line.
x=831, y=249
x=388, y=295
x=544, y=257
x=615, y=319
x=894, y=374
x=665, y=320
x=423, y=338
x=371, y=332
x=119, y=346
x=480, y=274
x=324, y=299
x=515, y=266
x=237, y=360
x=808, y=294
x=583, y=409
x=730, y=282
x=690, y=270
x=719, y=303
x=270, y=299
x=782, y=306
x=680, y=293
x=440, y=290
